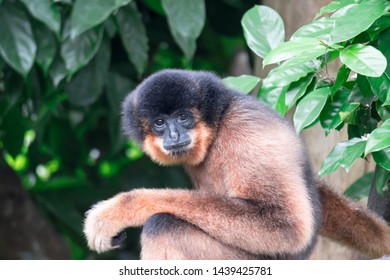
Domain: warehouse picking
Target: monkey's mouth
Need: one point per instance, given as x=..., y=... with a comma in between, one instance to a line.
x=178, y=149
x=178, y=153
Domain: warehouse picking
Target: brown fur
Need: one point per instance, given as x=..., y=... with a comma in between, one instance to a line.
x=365, y=232
x=241, y=204
x=212, y=214
x=175, y=239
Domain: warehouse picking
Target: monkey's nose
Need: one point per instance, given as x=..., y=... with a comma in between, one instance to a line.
x=173, y=133
x=174, y=136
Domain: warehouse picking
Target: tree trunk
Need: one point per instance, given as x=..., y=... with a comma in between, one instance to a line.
x=377, y=203
x=24, y=231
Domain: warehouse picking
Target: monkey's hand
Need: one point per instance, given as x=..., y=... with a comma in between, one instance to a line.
x=106, y=221
x=104, y=225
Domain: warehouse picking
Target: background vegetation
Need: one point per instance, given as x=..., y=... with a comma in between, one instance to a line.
x=66, y=65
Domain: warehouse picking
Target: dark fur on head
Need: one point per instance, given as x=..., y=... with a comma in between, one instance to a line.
x=170, y=90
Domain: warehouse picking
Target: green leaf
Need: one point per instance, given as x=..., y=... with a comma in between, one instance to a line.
x=243, y=83
x=366, y=13
x=382, y=158
x=263, y=29
x=308, y=47
x=318, y=29
x=361, y=187
x=54, y=99
x=307, y=57
x=379, y=138
x=383, y=111
x=155, y=5
x=378, y=26
x=365, y=60
x=330, y=117
x=64, y=2
x=17, y=44
x=383, y=46
x=296, y=90
x=13, y=86
x=381, y=179
x=349, y=113
x=344, y=154
x=133, y=35
x=363, y=120
x=87, y=14
x=110, y=27
x=77, y=52
x=273, y=96
x=117, y=87
x=61, y=182
x=186, y=20
x=381, y=88
x=87, y=85
x=334, y=6
x=342, y=77
x=13, y=128
x=310, y=107
x=2, y=64
x=57, y=70
x=289, y=71
x=353, y=131
x=46, y=42
x=45, y=11
x=361, y=92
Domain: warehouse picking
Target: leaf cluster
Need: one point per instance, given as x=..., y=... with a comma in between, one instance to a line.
x=355, y=32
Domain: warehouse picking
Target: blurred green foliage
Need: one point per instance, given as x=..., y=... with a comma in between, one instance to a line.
x=66, y=65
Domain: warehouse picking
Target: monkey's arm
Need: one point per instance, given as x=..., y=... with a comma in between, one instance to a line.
x=243, y=224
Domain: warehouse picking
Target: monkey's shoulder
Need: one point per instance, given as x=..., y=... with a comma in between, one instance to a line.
x=249, y=113
x=252, y=130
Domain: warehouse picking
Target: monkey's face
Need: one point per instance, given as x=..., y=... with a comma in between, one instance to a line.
x=174, y=114
x=174, y=131
x=177, y=138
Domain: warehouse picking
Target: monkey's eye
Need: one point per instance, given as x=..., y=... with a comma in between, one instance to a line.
x=183, y=117
x=159, y=123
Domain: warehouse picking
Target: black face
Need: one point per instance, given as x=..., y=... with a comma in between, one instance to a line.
x=174, y=130
x=167, y=93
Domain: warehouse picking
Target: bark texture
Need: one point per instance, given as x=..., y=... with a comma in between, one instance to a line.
x=24, y=230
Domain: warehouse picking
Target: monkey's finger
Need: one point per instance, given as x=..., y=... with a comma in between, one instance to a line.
x=89, y=210
x=118, y=239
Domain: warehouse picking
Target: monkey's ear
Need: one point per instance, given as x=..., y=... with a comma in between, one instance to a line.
x=131, y=124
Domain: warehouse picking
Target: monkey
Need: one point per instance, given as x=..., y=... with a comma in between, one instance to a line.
x=254, y=195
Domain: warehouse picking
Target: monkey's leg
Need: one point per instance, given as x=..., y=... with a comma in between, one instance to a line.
x=258, y=227
x=165, y=237
x=345, y=221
